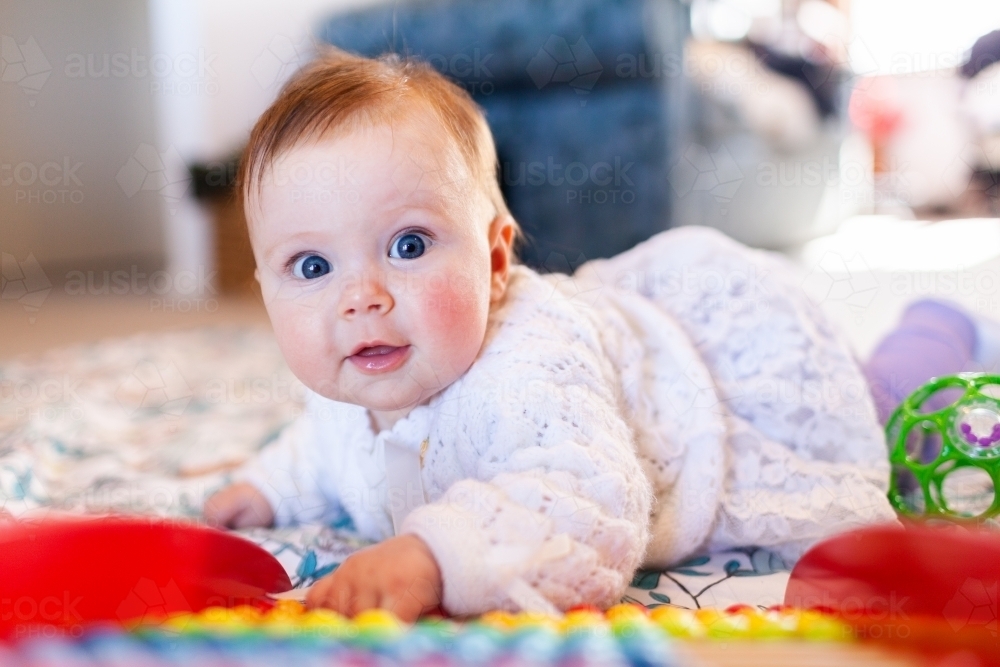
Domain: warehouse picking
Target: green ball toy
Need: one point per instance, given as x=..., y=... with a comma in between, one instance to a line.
x=927, y=447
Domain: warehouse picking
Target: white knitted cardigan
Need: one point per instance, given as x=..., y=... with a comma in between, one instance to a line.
x=682, y=396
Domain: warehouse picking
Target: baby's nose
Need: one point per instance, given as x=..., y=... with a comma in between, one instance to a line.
x=367, y=296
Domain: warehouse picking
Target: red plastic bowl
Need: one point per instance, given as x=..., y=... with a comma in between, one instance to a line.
x=931, y=587
x=63, y=574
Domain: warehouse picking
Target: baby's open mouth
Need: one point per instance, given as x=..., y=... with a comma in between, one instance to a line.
x=379, y=358
x=377, y=350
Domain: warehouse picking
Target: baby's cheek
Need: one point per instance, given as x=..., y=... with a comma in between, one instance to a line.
x=454, y=310
x=297, y=335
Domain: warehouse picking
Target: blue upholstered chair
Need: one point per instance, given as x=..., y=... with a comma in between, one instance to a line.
x=579, y=95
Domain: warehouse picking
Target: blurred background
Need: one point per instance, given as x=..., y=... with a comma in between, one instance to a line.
x=859, y=137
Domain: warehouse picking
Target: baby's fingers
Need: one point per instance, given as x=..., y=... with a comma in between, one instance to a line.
x=323, y=594
x=406, y=608
x=413, y=601
x=361, y=600
x=341, y=595
x=221, y=508
x=239, y=505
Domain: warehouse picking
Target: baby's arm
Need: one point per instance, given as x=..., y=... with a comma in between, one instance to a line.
x=239, y=505
x=286, y=483
x=555, y=497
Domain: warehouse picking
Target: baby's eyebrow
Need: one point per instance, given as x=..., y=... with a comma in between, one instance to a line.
x=433, y=201
x=278, y=246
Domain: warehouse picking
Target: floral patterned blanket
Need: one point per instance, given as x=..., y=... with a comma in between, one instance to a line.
x=152, y=424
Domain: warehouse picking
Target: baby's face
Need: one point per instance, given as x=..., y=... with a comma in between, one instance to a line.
x=374, y=255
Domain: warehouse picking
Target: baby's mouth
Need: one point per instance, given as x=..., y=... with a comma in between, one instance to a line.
x=379, y=358
x=376, y=351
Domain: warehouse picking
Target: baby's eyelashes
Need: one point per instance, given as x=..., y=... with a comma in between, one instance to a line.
x=310, y=266
x=408, y=246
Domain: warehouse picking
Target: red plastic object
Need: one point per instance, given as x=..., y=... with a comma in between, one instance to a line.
x=59, y=575
x=931, y=587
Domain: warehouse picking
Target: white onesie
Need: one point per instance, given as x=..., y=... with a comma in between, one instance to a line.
x=682, y=396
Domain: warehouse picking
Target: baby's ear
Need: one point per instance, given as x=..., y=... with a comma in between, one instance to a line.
x=500, y=237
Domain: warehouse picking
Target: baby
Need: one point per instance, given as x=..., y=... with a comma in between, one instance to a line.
x=515, y=440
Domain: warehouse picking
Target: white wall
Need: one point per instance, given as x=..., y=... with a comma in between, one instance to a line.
x=906, y=36
x=70, y=122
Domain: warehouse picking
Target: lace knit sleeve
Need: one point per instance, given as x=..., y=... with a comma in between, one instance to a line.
x=807, y=456
x=781, y=500
x=553, y=493
x=294, y=471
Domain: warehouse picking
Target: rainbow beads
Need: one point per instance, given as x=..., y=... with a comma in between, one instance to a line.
x=624, y=636
x=623, y=622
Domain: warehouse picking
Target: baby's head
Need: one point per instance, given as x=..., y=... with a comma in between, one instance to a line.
x=376, y=219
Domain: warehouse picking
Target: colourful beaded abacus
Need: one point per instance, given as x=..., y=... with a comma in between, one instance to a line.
x=624, y=636
x=623, y=622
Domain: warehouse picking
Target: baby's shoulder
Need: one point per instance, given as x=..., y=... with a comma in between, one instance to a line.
x=538, y=341
x=541, y=375
x=540, y=312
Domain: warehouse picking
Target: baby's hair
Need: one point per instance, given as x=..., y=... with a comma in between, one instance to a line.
x=339, y=89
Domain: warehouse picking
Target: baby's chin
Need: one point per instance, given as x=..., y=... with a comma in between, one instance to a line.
x=386, y=399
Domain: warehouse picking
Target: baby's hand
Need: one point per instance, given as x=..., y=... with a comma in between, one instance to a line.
x=399, y=574
x=238, y=505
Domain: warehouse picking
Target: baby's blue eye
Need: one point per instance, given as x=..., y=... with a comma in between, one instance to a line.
x=310, y=266
x=407, y=246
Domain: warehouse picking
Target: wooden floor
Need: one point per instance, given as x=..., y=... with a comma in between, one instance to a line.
x=794, y=654
x=63, y=319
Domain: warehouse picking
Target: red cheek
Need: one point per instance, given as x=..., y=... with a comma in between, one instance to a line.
x=450, y=308
x=301, y=346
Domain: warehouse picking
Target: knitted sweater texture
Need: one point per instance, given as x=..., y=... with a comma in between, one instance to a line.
x=682, y=396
